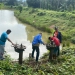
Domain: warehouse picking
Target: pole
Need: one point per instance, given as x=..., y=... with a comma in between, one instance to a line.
x=20, y=57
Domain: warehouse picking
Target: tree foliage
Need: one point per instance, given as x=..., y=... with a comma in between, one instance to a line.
x=20, y=8
x=11, y=2
x=52, y=4
x=33, y=3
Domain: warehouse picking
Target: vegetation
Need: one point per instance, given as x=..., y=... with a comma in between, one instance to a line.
x=46, y=20
x=1, y=5
x=53, y=13
x=57, y=5
x=64, y=65
x=20, y=9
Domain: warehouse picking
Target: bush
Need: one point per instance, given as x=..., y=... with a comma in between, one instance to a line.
x=64, y=44
x=65, y=37
x=25, y=8
x=67, y=43
x=20, y=8
x=73, y=40
x=48, y=30
x=63, y=14
x=41, y=14
x=73, y=12
x=33, y=10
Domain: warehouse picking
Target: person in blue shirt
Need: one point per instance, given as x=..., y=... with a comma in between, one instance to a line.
x=35, y=45
x=3, y=38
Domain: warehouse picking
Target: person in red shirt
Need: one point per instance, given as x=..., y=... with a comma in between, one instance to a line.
x=58, y=34
x=55, y=41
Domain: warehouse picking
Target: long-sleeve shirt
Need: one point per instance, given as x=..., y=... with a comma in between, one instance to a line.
x=37, y=40
x=56, y=41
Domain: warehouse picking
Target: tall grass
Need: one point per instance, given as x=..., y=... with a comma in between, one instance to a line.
x=45, y=19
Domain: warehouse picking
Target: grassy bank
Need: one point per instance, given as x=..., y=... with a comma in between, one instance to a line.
x=45, y=20
x=64, y=65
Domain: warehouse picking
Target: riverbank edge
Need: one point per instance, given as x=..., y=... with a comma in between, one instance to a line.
x=42, y=28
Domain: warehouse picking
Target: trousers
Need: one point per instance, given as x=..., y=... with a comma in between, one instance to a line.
x=1, y=52
x=35, y=48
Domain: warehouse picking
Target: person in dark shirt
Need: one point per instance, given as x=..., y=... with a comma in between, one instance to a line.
x=59, y=36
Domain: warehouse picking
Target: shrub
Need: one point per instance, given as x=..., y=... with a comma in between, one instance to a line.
x=73, y=40
x=33, y=10
x=67, y=43
x=41, y=13
x=25, y=8
x=73, y=12
x=20, y=8
x=43, y=28
x=65, y=37
x=63, y=44
x=63, y=14
x=54, y=21
x=48, y=30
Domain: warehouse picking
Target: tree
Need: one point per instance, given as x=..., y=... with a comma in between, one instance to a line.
x=20, y=8
x=11, y=2
x=33, y=3
x=52, y=4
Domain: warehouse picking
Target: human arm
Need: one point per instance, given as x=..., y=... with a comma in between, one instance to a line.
x=40, y=40
x=10, y=41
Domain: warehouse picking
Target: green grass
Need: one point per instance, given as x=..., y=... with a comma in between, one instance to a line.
x=45, y=19
x=64, y=65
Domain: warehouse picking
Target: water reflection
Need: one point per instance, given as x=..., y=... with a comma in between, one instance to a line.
x=19, y=34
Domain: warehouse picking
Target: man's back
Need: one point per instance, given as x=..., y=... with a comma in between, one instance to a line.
x=56, y=41
x=36, y=39
x=3, y=38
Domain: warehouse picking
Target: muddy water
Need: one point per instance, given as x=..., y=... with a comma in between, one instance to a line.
x=21, y=33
